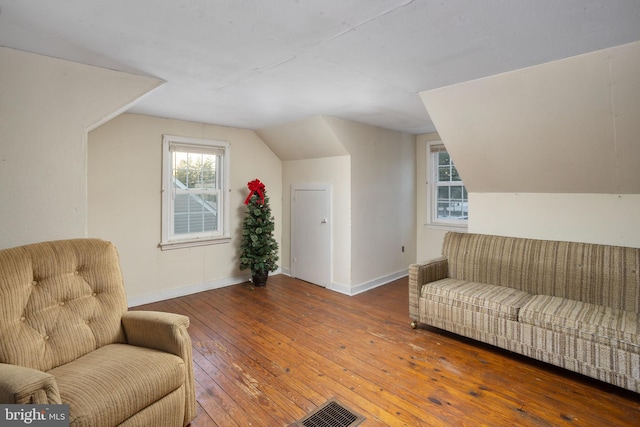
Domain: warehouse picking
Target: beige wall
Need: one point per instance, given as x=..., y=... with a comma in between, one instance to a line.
x=568, y=126
x=335, y=171
x=307, y=138
x=549, y=151
x=610, y=219
x=383, y=209
x=46, y=108
x=125, y=157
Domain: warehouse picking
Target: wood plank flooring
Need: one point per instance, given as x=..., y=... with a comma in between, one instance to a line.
x=268, y=356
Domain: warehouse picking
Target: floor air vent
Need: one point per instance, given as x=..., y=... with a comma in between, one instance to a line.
x=331, y=414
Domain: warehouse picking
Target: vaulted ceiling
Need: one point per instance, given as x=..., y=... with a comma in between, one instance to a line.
x=258, y=64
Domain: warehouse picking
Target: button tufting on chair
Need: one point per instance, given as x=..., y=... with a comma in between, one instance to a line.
x=108, y=364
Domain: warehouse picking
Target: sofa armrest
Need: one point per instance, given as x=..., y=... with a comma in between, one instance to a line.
x=165, y=332
x=421, y=274
x=20, y=385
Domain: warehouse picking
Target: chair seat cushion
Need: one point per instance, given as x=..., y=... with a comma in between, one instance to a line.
x=108, y=385
x=618, y=328
x=478, y=297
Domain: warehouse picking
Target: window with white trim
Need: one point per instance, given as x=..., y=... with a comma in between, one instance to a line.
x=449, y=201
x=195, y=192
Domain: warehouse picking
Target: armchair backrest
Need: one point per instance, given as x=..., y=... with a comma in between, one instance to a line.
x=58, y=301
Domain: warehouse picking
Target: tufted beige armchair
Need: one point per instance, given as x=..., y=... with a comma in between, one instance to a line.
x=66, y=337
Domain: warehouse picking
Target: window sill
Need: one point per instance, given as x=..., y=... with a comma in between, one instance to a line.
x=181, y=244
x=462, y=228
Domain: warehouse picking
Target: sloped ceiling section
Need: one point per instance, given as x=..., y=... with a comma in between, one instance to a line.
x=569, y=126
x=308, y=138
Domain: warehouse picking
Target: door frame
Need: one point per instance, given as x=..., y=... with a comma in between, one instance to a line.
x=292, y=243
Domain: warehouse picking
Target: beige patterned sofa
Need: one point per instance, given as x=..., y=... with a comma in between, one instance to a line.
x=66, y=337
x=574, y=305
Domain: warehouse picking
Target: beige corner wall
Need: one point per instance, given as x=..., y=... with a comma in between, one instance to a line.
x=383, y=207
x=335, y=171
x=47, y=107
x=125, y=157
x=371, y=171
x=307, y=138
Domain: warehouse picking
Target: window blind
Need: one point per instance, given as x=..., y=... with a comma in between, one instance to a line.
x=192, y=148
x=438, y=148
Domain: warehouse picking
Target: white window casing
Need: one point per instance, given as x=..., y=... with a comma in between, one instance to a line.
x=195, y=192
x=447, y=199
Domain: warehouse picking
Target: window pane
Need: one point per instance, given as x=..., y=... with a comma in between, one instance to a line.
x=181, y=214
x=210, y=212
x=452, y=202
x=455, y=210
x=443, y=193
x=456, y=192
x=195, y=170
x=452, y=210
x=444, y=174
x=208, y=174
x=195, y=213
x=451, y=198
x=443, y=209
x=180, y=170
x=193, y=164
x=455, y=176
x=444, y=196
x=443, y=158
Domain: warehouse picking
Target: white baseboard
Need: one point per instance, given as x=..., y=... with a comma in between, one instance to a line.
x=340, y=288
x=185, y=290
x=194, y=289
x=363, y=287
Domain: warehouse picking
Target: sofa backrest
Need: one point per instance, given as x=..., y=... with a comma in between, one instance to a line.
x=58, y=301
x=592, y=273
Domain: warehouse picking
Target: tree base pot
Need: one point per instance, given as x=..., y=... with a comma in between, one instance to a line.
x=259, y=278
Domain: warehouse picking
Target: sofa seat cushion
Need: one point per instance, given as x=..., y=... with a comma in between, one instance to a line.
x=478, y=297
x=108, y=385
x=598, y=323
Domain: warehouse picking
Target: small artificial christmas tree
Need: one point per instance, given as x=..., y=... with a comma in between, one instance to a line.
x=259, y=249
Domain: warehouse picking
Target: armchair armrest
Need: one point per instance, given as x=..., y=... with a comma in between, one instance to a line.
x=165, y=332
x=158, y=330
x=421, y=274
x=20, y=385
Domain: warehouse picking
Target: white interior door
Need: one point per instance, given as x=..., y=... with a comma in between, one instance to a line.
x=311, y=233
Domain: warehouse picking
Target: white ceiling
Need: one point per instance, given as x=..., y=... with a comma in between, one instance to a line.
x=258, y=63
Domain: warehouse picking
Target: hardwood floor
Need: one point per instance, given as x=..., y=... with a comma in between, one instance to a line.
x=268, y=356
